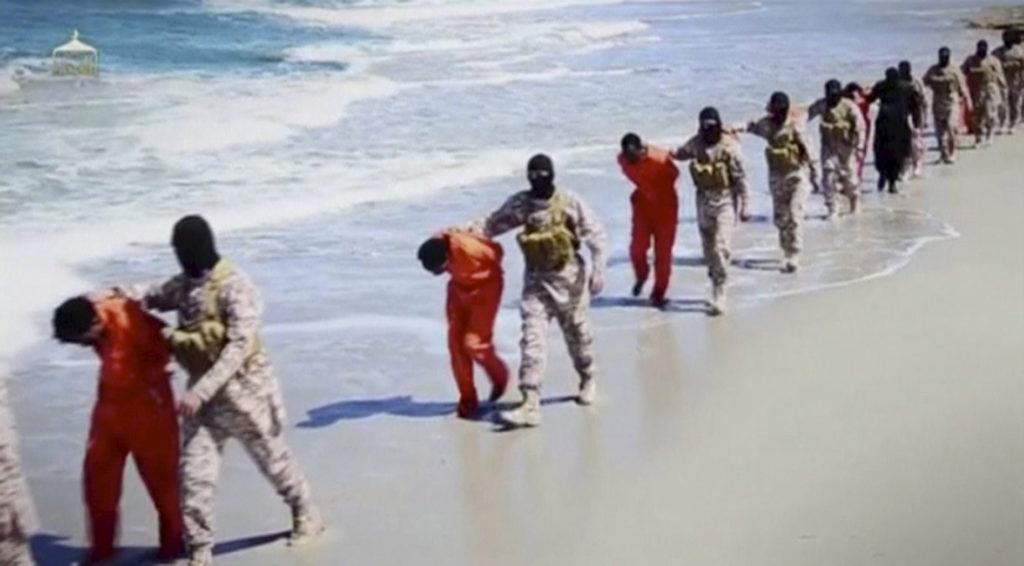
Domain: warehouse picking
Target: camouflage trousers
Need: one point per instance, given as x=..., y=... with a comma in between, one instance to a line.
x=788, y=195
x=258, y=427
x=986, y=112
x=17, y=513
x=14, y=551
x=716, y=220
x=565, y=297
x=918, y=148
x=945, y=120
x=839, y=167
x=1011, y=112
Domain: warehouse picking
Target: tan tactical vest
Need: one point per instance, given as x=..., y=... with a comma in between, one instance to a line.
x=710, y=175
x=783, y=153
x=197, y=346
x=551, y=246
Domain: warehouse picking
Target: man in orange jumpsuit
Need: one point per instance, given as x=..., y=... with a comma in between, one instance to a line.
x=474, y=295
x=134, y=414
x=655, y=212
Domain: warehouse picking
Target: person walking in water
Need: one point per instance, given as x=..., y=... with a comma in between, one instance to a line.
x=18, y=519
x=859, y=97
x=914, y=167
x=655, y=208
x=134, y=415
x=1011, y=56
x=898, y=112
x=949, y=94
x=556, y=285
x=842, y=132
x=790, y=170
x=716, y=166
x=232, y=391
x=987, y=83
x=474, y=296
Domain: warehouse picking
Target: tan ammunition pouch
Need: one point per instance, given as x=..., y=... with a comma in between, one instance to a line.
x=710, y=175
x=550, y=247
x=783, y=155
x=837, y=131
x=982, y=73
x=197, y=346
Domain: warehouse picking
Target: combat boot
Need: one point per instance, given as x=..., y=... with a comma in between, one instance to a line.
x=201, y=555
x=791, y=264
x=527, y=414
x=588, y=391
x=718, y=300
x=832, y=214
x=307, y=524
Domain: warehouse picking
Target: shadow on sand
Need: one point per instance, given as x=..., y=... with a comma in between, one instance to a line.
x=401, y=406
x=54, y=550
x=674, y=305
x=757, y=264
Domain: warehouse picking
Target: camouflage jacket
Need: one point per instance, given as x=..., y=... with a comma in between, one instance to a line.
x=948, y=87
x=239, y=370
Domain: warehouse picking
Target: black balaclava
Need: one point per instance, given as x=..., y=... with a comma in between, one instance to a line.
x=540, y=171
x=778, y=106
x=982, y=51
x=833, y=92
x=892, y=76
x=710, y=125
x=194, y=246
x=944, y=55
x=905, y=70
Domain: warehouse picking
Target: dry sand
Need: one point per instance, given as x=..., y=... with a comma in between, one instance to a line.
x=881, y=422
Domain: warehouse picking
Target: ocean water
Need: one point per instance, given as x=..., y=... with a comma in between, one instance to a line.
x=325, y=139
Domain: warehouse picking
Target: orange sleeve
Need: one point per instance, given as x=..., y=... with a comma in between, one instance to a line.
x=147, y=331
x=629, y=170
x=473, y=258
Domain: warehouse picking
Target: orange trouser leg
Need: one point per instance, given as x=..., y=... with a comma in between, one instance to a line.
x=640, y=241
x=155, y=448
x=664, y=240
x=478, y=341
x=462, y=364
x=471, y=315
x=103, y=471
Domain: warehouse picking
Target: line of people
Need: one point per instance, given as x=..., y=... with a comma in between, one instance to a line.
x=555, y=222
x=232, y=392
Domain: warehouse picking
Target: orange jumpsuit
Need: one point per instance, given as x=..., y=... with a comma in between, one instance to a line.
x=134, y=414
x=655, y=215
x=474, y=295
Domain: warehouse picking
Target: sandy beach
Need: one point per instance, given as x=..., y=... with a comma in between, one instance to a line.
x=869, y=410
x=881, y=422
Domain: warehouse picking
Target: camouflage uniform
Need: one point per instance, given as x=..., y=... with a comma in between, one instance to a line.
x=919, y=147
x=563, y=295
x=987, y=85
x=17, y=513
x=240, y=399
x=948, y=88
x=717, y=205
x=843, y=131
x=1010, y=112
x=789, y=188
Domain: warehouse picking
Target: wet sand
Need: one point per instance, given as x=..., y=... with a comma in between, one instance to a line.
x=880, y=422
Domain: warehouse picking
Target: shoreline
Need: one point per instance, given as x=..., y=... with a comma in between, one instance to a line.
x=998, y=18
x=677, y=389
